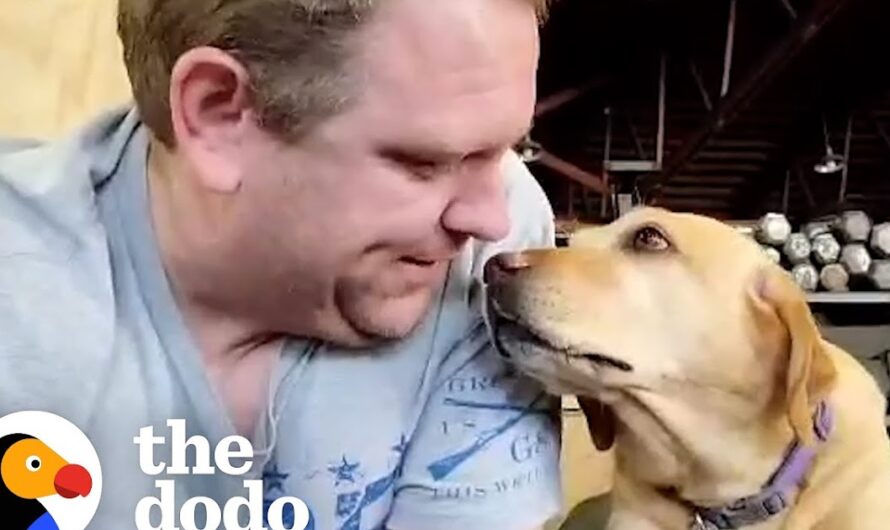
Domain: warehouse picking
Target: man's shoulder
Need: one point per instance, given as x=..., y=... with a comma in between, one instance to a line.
x=56, y=297
x=521, y=184
x=41, y=198
x=47, y=188
x=531, y=214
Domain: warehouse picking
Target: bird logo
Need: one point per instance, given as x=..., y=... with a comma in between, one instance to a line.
x=40, y=489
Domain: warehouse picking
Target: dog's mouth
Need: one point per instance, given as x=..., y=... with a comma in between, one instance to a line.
x=504, y=326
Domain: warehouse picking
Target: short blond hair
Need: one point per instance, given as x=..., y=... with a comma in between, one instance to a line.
x=295, y=52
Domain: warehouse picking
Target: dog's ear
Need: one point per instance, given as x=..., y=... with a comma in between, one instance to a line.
x=811, y=373
x=600, y=422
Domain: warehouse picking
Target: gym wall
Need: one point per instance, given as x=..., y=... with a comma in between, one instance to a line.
x=61, y=64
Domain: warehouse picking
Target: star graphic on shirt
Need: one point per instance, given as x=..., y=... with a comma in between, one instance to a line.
x=273, y=478
x=344, y=472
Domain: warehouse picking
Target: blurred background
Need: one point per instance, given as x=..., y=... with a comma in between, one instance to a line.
x=749, y=90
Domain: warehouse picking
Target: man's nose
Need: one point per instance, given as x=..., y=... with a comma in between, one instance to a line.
x=480, y=210
x=504, y=265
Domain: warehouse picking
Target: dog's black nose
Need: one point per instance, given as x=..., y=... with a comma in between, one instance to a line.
x=504, y=265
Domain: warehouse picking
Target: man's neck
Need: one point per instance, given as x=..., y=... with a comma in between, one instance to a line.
x=198, y=284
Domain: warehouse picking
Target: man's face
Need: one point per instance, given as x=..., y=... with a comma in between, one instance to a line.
x=372, y=204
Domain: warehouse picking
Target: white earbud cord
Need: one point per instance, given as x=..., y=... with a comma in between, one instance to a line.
x=279, y=396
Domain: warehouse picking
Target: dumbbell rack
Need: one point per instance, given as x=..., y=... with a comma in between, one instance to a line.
x=837, y=259
x=855, y=297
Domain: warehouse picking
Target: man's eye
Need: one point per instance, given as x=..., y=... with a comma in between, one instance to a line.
x=425, y=166
x=650, y=239
x=417, y=166
x=485, y=157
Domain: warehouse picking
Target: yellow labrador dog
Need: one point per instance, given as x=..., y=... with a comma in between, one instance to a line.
x=701, y=361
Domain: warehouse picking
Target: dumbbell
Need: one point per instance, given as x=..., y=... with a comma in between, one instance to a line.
x=854, y=226
x=826, y=249
x=772, y=253
x=856, y=259
x=815, y=228
x=772, y=229
x=834, y=278
x=797, y=248
x=806, y=276
x=880, y=240
x=879, y=274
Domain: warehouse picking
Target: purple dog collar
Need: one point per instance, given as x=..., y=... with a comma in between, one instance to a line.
x=777, y=493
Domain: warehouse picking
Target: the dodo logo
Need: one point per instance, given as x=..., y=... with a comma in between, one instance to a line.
x=50, y=476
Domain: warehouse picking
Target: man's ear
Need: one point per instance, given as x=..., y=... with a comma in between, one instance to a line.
x=811, y=373
x=210, y=108
x=600, y=422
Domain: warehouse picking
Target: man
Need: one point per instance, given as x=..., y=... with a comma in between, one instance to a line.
x=282, y=240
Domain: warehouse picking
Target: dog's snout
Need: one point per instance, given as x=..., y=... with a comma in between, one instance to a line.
x=513, y=261
x=505, y=264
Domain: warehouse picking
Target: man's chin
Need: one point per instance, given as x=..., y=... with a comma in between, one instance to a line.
x=379, y=321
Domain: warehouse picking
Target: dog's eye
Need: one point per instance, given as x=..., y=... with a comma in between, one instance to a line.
x=650, y=239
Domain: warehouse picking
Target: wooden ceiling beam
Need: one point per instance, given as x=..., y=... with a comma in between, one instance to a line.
x=563, y=97
x=573, y=172
x=879, y=127
x=776, y=61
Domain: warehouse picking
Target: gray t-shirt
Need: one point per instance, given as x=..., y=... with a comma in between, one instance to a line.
x=434, y=432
